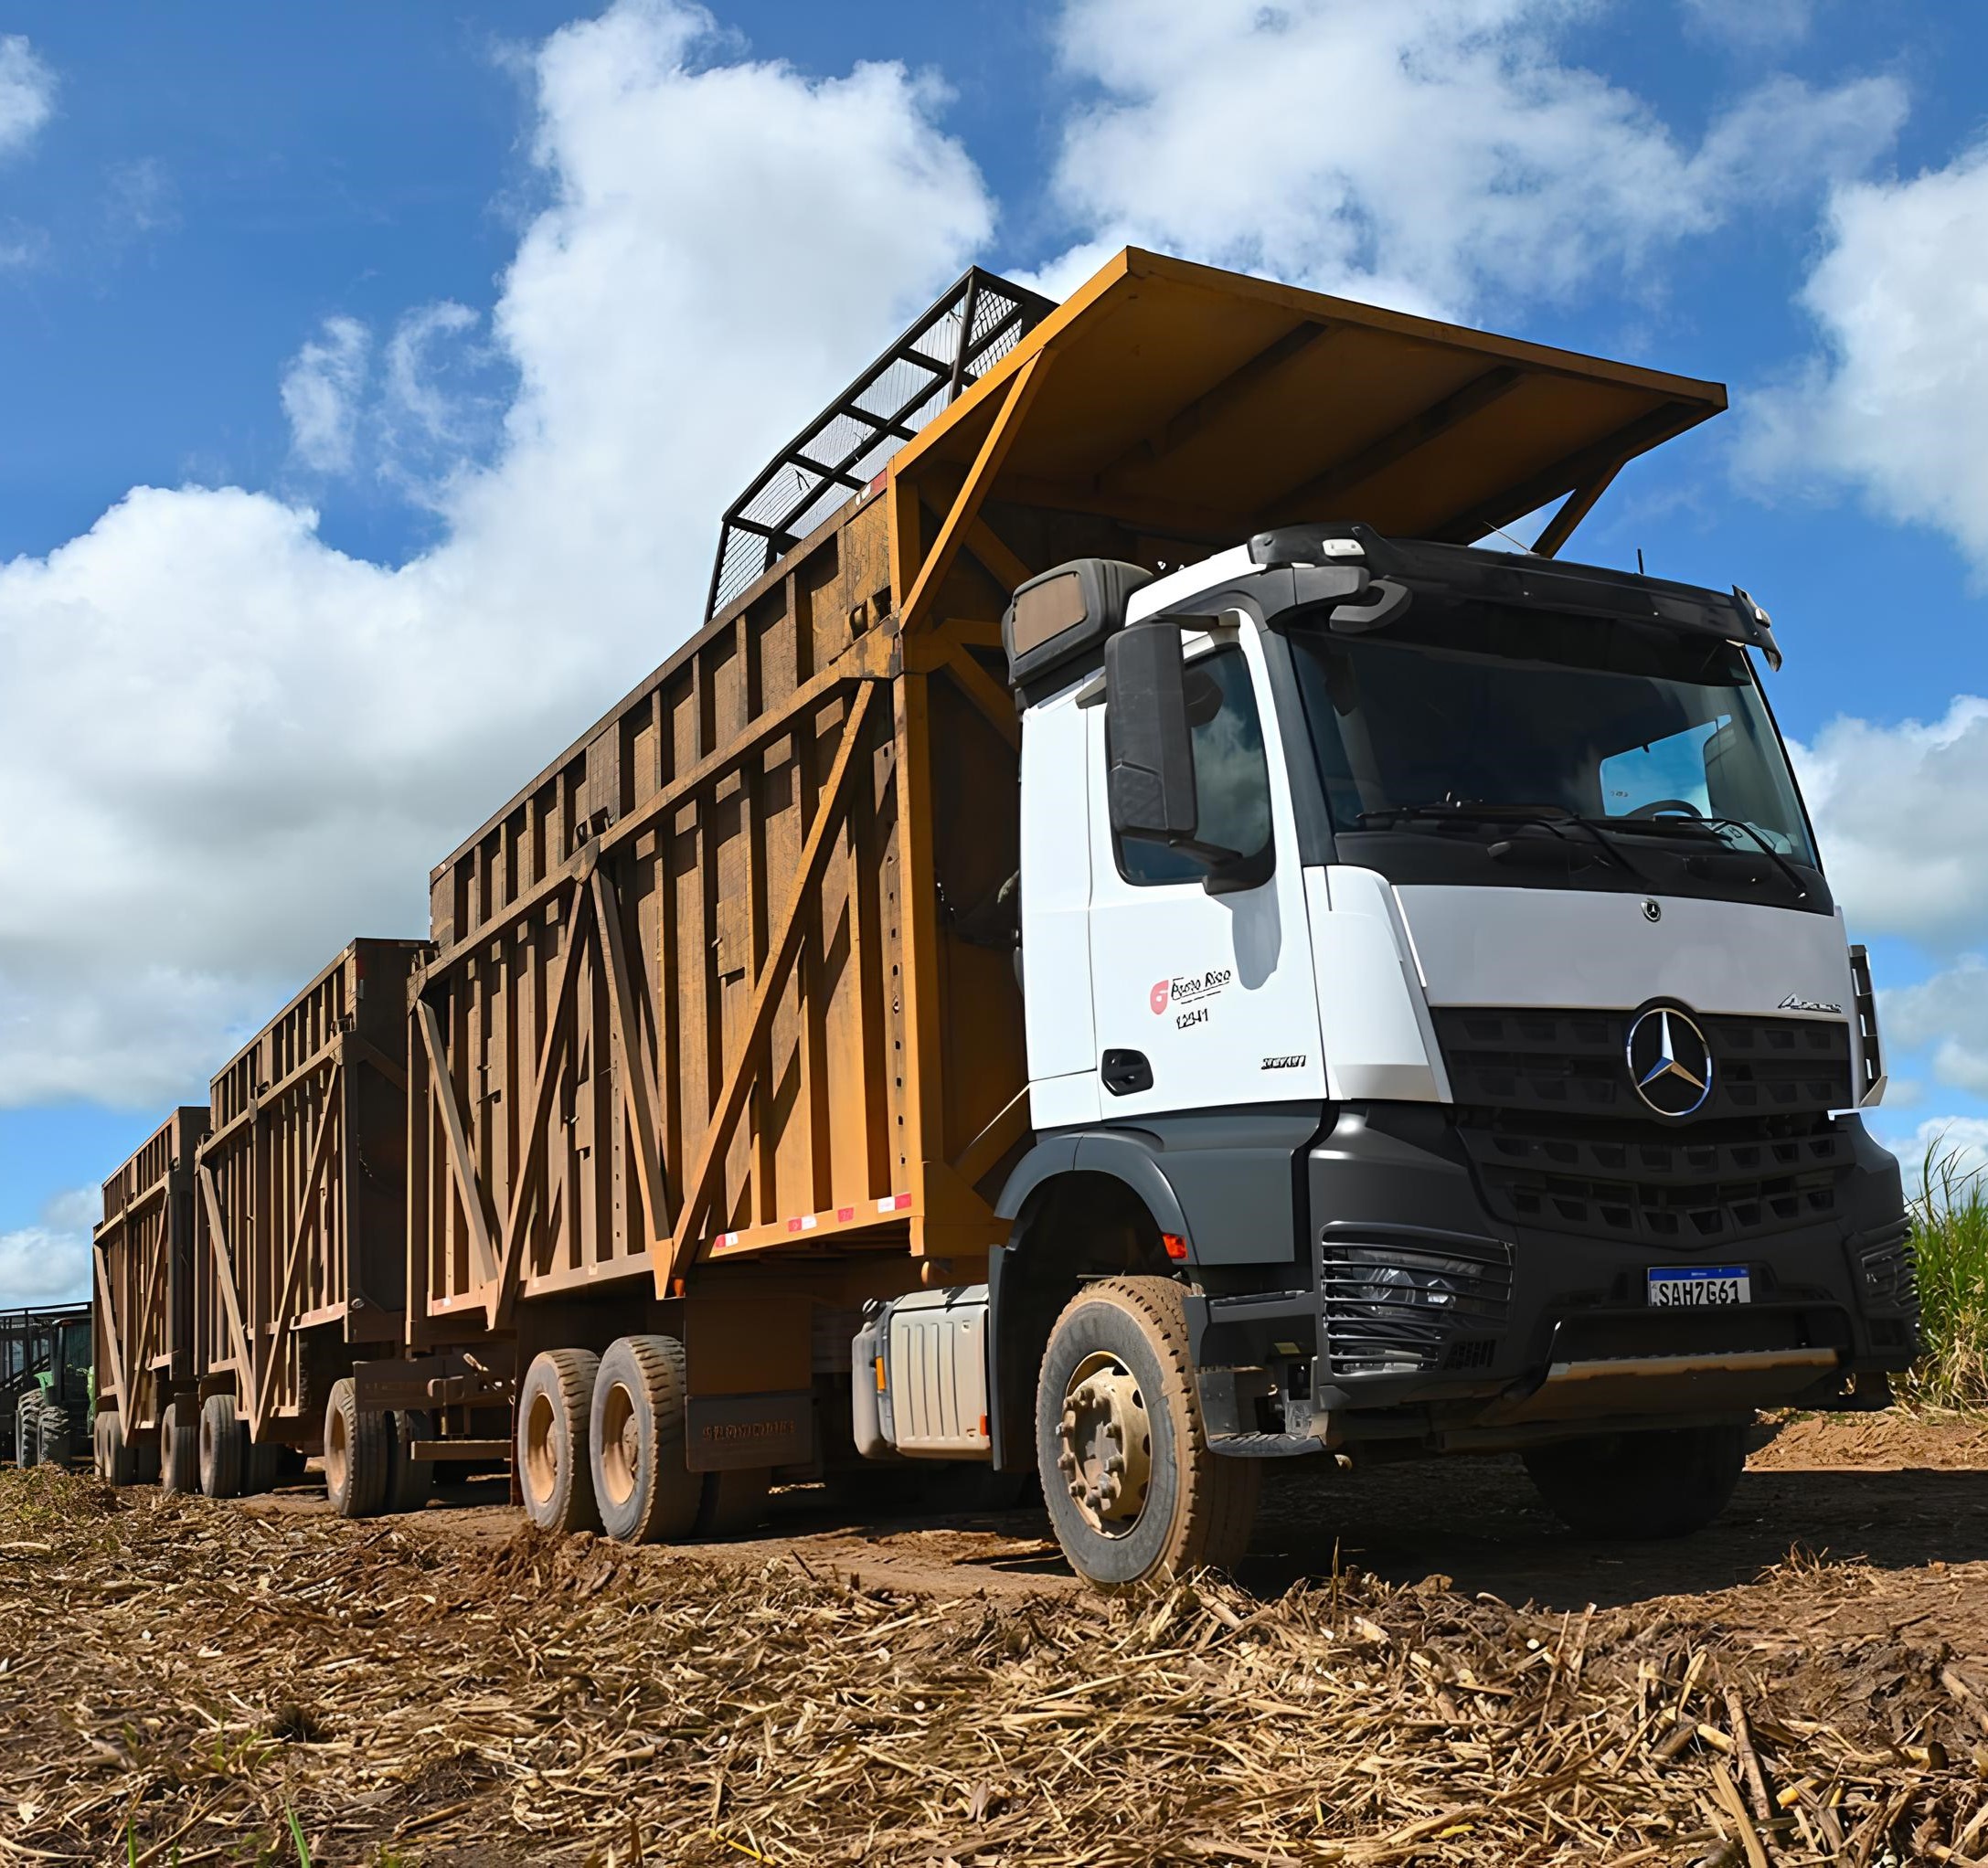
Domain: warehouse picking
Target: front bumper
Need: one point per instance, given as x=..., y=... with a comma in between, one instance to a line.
x=1430, y=1318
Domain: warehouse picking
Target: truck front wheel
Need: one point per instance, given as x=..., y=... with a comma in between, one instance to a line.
x=1666, y=1483
x=1133, y=1492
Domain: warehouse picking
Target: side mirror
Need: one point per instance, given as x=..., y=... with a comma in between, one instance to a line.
x=1149, y=751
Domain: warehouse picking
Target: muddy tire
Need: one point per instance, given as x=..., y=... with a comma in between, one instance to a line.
x=179, y=1444
x=57, y=1441
x=733, y=1503
x=358, y=1455
x=1134, y=1494
x=555, y=1471
x=223, y=1441
x=646, y=1494
x=413, y=1480
x=28, y=1429
x=117, y=1459
x=1639, y=1485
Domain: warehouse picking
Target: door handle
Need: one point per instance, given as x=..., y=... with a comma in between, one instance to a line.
x=1125, y=1072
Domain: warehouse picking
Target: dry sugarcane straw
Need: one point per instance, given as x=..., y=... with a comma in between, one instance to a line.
x=180, y=1677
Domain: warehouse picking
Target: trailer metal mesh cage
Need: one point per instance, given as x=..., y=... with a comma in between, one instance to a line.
x=971, y=328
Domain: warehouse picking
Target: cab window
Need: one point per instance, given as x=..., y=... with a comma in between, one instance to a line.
x=1232, y=780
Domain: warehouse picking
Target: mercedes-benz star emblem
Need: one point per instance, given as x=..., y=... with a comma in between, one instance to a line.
x=1669, y=1062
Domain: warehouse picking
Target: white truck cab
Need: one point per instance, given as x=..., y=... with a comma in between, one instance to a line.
x=1440, y=1038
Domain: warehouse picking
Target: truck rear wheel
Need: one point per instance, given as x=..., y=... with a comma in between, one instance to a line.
x=1666, y=1483
x=223, y=1439
x=413, y=1480
x=646, y=1494
x=179, y=1444
x=554, y=1470
x=357, y=1456
x=1133, y=1492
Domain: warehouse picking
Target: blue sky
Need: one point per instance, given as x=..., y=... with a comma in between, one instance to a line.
x=425, y=325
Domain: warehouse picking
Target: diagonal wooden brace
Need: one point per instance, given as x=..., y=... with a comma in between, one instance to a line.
x=110, y=1334
x=461, y=1164
x=224, y=1266
x=499, y=1304
x=623, y=1009
x=286, y=1302
x=672, y=1255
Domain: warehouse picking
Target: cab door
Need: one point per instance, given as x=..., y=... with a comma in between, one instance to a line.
x=1201, y=1000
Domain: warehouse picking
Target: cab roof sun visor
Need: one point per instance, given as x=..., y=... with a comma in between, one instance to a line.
x=1471, y=573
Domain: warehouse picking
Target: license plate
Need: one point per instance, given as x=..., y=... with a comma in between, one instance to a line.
x=1700, y=1287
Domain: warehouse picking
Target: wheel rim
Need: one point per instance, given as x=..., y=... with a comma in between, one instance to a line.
x=336, y=1453
x=620, y=1445
x=1104, y=1444
x=541, y=1449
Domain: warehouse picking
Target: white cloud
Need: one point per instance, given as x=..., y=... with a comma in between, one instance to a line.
x=1754, y=24
x=27, y=93
x=1948, y=1013
x=321, y=390
x=1422, y=152
x=227, y=748
x=48, y=1262
x=1894, y=404
x=1899, y=817
x=1954, y=1147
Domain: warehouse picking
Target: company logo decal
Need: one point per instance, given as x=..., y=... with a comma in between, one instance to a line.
x=1185, y=989
x=1669, y=1062
x=1291, y=1061
x=1652, y=911
x=1792, y=1004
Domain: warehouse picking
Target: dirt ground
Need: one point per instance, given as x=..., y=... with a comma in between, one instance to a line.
x=1416, y=1664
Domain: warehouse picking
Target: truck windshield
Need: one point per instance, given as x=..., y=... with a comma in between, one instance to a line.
x=1465, y=705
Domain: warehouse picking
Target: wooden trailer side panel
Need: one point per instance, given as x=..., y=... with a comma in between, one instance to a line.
x=301, y=1189
x=143, y=1256
x=676, y=977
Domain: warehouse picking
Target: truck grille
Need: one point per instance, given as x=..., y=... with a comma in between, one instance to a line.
x=1656, y=1187
x=1572, y=1063
x=1394, y=1304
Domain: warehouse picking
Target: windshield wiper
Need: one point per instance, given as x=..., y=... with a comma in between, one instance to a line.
x=1552, y=817
x=1700, y=829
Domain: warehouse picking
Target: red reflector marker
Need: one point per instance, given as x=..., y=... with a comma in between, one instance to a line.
x=1176, y=1246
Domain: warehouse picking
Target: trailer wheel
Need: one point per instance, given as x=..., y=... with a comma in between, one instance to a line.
x=179, y=1444
x=117, y=1458
x=1133, y=1492
x=413, y=1480
x=222, y=1440
x=555, y=1471
x=1667, y=1484
x=733, y=1502
x=646, y=1494
x=358, y=1459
